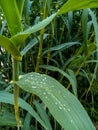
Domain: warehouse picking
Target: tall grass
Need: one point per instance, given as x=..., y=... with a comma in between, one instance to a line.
x=66, y=47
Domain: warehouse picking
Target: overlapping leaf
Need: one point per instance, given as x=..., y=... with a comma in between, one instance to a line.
x=21, y=37
x=9, y=98
x=10, y=47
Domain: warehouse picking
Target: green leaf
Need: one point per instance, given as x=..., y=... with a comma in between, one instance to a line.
x=69, y=77
x=7, y=119
x=27, y=122
x=95, y=24
x=31, y=44
x=6, y=97
x=42, y=113
x=63, y=105
x=10, y=47
x=21, y=37
x=61, y=47
x=74, y=87
x=12, y=16
x=20, y=4
x=72, y=5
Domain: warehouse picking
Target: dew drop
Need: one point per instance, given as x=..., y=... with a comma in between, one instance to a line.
x=56, y=103
x=68, y=109
x=46, y=97
x=33, y=86
x=44, y=93
x=60, y=107
x=64, y=105
x=44, y=83
x=64, y=108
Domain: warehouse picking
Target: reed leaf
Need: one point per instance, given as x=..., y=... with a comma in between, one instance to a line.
x=65, y=107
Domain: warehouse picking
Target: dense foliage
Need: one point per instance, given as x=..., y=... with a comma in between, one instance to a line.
x=68, y=46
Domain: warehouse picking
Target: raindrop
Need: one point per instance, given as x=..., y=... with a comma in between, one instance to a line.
x=64, y=105
x=44, y=93
x=45, y=78
x=52, y=86
x=68, y=109
x=56, y=103
x=71, y=121
x=60, y=107
x=64, y=108
x=33, y=86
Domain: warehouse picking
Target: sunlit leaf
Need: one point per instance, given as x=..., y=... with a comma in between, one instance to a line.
x=21, y=37
x=65, y=107
x=12, y=16
x=10, y=47
x=72, y=5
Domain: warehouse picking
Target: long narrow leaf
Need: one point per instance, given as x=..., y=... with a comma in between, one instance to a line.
x=56, y=69
x=7, y=119
x=21, y=37
x=20, y=4
x=12, y=16
x=65, y=107
x=72, y=5
x=61, y=47
x=42, y=113
x=31, y=44
x=6, y=97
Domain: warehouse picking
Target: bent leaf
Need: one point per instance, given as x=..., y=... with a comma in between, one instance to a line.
x=72, y=5
x=56, y=69
x=65, y=107
x=61, y=47
x=21, y=37
x=10, y=47
x=6, y=97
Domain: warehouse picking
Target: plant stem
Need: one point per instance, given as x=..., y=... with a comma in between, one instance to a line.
x=39, y=51
x=16, y=90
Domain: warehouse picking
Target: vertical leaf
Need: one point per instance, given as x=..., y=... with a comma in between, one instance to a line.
x=12, y=16
x=20, y=4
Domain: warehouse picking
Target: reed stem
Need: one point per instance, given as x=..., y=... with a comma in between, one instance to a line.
x=16, y=91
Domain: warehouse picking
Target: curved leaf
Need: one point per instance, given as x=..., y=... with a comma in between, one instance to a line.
x=72, y=5
x=65, y=107
x=6, y=97
x=21, y=37
x=69, y=77
x=61, y=47
x=10, y=47
x=31, y=44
